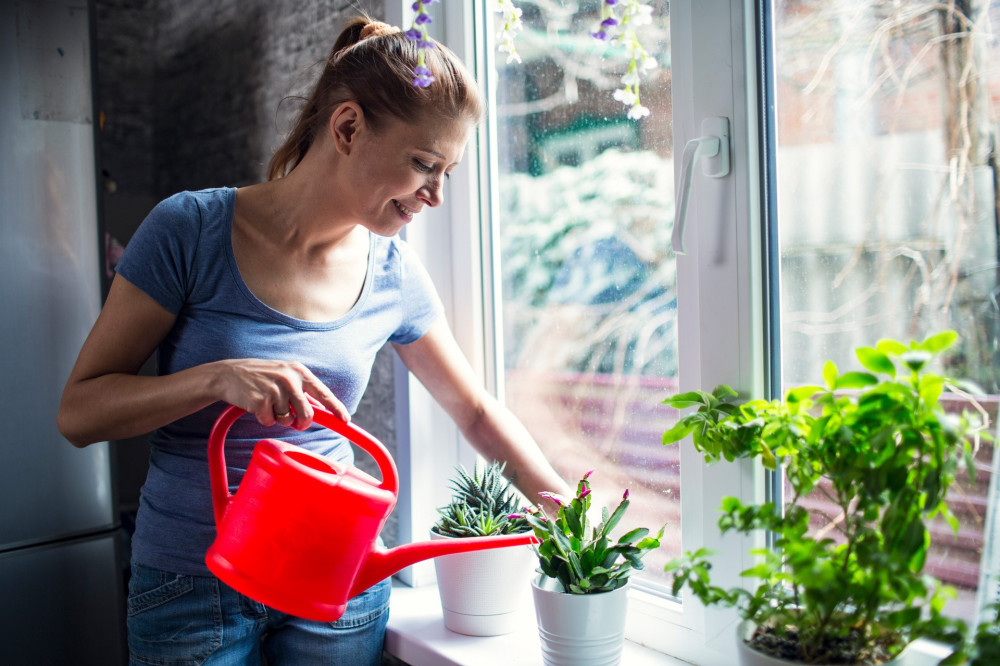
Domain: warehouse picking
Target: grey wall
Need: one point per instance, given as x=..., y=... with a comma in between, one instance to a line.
x=191, y=94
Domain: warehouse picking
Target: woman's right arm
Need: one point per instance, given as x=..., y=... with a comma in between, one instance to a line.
x=106, y=399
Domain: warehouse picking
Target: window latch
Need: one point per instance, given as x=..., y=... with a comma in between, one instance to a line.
x=713, y=146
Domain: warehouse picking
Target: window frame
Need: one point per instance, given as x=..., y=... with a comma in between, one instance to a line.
x=721, y=330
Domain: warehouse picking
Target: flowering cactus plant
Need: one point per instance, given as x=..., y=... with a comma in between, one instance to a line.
x=587, y=564
x=618, y=22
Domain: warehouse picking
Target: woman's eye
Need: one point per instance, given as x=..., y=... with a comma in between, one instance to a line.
x=421, y=166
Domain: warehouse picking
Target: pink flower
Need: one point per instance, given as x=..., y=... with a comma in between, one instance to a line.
x=625, y=496
x=558, y=499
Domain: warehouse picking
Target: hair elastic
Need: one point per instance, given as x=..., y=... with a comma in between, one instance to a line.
x=377, y=29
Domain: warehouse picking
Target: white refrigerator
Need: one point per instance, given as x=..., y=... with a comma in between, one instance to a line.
x=61, y=580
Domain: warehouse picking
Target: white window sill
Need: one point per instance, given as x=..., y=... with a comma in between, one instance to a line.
x=417, y=635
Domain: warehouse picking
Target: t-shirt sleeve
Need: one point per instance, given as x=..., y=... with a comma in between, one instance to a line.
x=421, y=304
x=159, y=257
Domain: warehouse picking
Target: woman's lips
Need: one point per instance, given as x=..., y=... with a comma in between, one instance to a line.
x=403, y=209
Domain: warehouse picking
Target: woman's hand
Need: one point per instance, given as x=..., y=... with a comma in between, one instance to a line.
x=276, y=392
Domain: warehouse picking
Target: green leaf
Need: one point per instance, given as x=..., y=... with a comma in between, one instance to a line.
x=723, y=392
x=891, y=347
x=876, y=361
x=830, y=374
x=679, y=431
x=802, y=393
x=648, y=543
x=938, y=342
x=572, y=519
x=902, y=618
x=767, y=457
x=609, y=523
x=689, y=399
x=855, y=380
x=634, y=535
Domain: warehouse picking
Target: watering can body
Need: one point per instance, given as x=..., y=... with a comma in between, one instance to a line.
x=301, y=534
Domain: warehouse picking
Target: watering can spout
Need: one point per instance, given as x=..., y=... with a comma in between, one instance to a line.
x=382, y=563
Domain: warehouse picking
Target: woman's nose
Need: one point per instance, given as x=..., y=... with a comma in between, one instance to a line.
x=432, y=192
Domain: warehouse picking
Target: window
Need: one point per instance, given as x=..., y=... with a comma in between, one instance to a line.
x=587, y=296
x=858, y=206
x=887, y=207
x=590, y=325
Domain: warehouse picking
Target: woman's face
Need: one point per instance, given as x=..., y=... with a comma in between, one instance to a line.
x=401, y=168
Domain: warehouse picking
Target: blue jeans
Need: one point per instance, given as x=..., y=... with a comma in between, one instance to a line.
x=179, y=619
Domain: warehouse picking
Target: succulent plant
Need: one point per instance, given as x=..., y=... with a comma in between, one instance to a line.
x=482, y=504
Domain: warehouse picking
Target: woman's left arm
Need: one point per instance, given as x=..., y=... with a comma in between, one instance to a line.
x=492, y=429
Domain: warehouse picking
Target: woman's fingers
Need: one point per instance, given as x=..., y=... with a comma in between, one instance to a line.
x=319, y=395
x=279, y=392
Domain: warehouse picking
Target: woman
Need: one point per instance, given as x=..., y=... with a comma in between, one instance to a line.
x=263, y=296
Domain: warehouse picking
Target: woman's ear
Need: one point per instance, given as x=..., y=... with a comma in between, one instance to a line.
x=345, y=123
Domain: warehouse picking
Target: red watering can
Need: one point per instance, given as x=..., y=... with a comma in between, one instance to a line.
x=300, y=535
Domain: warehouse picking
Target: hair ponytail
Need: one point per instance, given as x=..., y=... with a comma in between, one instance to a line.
x=376, y=72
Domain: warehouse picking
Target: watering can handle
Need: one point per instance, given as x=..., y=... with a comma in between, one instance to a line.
x=217, y=455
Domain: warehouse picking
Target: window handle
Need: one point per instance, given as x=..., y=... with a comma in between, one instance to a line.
x=713, y=145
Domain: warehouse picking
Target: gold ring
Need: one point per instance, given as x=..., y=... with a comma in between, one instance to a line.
x=281, y=416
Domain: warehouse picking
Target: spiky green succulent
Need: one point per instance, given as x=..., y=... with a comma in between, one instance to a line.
x=481, y=505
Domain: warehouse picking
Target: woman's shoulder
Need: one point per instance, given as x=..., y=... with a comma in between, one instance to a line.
x=189, y=213
x=216, y=199
x=182, y=221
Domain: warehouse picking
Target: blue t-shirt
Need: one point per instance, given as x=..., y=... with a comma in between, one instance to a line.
x=182, y=256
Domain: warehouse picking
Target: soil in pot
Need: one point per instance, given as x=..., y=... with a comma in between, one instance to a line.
x=785, y=645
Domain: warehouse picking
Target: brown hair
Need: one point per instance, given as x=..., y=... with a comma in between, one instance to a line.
x=376, y=72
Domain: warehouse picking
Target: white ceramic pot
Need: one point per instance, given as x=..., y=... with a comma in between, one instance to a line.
x=750, y=657
x=484, y=592
x=579, y=629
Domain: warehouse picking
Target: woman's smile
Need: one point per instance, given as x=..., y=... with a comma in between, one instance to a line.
x=404, y=211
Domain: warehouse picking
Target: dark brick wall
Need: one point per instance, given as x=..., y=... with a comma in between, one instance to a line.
x=126, y=79
x=192, y=91
x=192, y=98
x=221, y=74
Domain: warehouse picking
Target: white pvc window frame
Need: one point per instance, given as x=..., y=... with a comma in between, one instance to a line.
x=447, y=240
x=721, y=326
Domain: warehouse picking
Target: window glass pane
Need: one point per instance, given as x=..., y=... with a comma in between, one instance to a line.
x=588, y=302
x=887, y=208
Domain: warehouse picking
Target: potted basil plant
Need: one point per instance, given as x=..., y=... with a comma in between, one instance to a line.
x=581, y=593
x=882, y=450
x=482, y=591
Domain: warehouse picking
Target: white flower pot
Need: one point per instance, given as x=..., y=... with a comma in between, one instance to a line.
x=483, y=592
x=579, y=629
x=750, y=657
